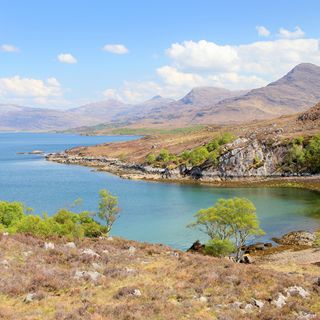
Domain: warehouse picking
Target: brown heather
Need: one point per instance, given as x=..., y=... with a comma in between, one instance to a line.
x=143, y=282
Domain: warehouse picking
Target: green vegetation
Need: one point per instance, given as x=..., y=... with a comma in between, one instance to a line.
x=230, y=223
x=153, y=131
x=304, y=155
x=108, y=209
x=209, y=152
x=64, y=223
x=219, y=248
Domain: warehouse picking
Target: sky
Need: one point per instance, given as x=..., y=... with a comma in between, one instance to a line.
x=62, y=54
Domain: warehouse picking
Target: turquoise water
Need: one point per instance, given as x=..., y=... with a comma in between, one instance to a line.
x=152, y=212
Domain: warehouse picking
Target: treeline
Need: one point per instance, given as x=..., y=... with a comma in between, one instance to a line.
x=14, y=218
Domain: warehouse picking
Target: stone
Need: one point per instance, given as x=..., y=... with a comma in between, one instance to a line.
x=110, y=239
x=90, y=252
x=132, y=250
x=70, y=245
x=29, y=298
x=5, y=264
x=203, y=299
x=295, y=291
x=5, y=234
x=93, y=275
x=258, y=303
x=247, y=259
x=298, y=238
x=280, y=301
x=136, y=293
x=197, y=247
x=48, y=245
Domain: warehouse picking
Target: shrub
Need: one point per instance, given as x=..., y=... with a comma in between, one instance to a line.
x=313, y=154
x=198, y=156
x=10, y=212
x=163, y=156
x=219, y=248
x=151, y=158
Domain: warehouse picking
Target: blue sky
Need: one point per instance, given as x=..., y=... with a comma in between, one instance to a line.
x=171, y=46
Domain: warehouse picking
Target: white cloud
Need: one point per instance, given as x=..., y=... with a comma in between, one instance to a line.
x=269, y=59
x=202, y=54
x=287, y=34
x=34, y=92
x=205, y=63
x=9, y=48
x=115, y=48
x=67, y=58
x=28, y=87
x=263, y=31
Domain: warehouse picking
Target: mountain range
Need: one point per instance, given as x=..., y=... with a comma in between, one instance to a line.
x=296, y=91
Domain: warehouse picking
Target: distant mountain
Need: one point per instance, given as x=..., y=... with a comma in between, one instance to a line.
x=183, y=111
x=296, y=91
x=104, y=111
x=18, y=118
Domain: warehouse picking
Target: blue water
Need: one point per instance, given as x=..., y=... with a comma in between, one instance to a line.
x=152, y=212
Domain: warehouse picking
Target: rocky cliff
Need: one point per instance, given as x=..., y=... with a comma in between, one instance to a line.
x=243, y=158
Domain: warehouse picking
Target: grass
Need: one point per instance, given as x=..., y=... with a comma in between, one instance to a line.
x=154, y=131
x=173, y=284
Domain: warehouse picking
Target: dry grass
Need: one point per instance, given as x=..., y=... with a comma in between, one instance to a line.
x=173, y=284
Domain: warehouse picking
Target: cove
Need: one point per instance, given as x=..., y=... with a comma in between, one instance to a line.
x=151, y=212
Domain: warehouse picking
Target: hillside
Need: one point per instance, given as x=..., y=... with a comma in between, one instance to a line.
x=116, y=279
x=296, y=91
x=254, y=151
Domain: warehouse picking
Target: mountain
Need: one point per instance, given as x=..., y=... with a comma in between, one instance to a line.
x=296, y=91
x=20, y=118
x=103, y=111
x=182, y=111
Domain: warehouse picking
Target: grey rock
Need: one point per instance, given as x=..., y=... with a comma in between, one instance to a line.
x=48, y=245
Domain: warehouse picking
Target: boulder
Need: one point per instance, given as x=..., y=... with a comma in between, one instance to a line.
x=247, y=259
x=197, y=247
x=280, y=301
x=298, y=238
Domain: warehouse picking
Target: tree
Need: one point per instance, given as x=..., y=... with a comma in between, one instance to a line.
x=230, y=219
x=313, y=154
x=108, y=209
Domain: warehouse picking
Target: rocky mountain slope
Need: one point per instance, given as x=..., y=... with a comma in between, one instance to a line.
x=296, y=91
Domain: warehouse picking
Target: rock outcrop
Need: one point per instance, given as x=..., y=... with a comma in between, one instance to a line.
x=243, y=158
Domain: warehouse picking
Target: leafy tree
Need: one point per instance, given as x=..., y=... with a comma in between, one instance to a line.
x=108, y=209
x=198, y=156
x=313, y=154
x=219, y=248
x=10, y=212
x=296, y=156
x=230, y=219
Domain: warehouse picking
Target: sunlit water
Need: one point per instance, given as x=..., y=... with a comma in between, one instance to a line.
x=152, y=212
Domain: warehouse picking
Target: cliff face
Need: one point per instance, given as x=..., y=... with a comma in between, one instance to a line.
x=243, y=158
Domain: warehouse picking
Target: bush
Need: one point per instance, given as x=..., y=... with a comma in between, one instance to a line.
x=64, y=223
x=151, y=159
x=198, y=156
x=219, y=248
x=10, y=212
x=219, y=141
x=313, y=154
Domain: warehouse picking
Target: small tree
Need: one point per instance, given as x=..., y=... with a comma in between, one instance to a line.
x=229, y=219
x=108, y=209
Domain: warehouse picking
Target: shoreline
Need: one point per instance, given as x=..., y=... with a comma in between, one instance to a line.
x=133, y=171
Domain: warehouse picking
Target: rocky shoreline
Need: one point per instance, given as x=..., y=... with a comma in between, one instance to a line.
x=182, y=173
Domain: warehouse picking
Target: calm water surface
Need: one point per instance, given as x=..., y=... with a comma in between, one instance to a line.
x=153, y=212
